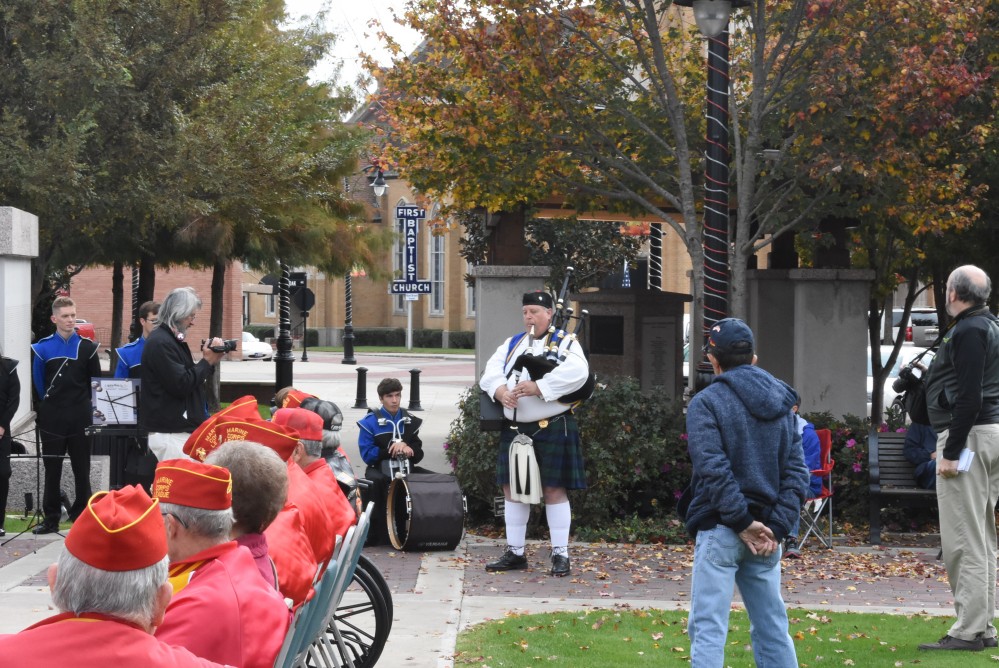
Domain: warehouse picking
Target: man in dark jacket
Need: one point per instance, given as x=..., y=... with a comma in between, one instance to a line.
x=172, y=392
x=749, y=479
x=962, y=399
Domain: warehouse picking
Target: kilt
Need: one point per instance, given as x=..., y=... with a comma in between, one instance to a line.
x=557, y=447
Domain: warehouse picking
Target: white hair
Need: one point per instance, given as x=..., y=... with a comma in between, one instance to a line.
x=214, y=524
x=128, y=595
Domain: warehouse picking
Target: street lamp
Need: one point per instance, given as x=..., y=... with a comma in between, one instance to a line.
x=712, y=20
x=380, y=187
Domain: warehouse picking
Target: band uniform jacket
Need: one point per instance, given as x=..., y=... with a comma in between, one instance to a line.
x=92, y=640
x=223, y=610
x=61, y=372
x=130, y=359
x=10, y=396
x=377, y=432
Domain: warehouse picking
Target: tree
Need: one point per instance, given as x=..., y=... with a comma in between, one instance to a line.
x=863, y=102
x=169, y=132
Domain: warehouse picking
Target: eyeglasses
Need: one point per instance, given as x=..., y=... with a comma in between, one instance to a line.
x=182, y=522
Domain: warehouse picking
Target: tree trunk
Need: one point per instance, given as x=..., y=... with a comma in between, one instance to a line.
x=117, y=309
x=215, y=329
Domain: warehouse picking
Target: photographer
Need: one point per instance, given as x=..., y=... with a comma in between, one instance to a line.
x=172, y=391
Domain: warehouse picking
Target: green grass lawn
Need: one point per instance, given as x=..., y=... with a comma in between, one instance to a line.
x=602, y=638
x=15, y=524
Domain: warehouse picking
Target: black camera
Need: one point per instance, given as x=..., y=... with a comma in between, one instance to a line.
x=228, y=345
x=907, y=379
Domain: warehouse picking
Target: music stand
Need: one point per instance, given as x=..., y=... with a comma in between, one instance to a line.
x=36, y=516
x=115, y=403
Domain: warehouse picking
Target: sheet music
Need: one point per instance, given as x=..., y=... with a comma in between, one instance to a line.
x=114, y=400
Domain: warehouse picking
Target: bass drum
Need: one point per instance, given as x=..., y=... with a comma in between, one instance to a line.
x=426, y=511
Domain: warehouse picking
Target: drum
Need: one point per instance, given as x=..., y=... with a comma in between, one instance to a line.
x=426, y=511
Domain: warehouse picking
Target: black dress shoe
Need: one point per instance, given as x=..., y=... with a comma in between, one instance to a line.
x=45, y=527
x=951, y=643
x=560, y=565
x=508, y=562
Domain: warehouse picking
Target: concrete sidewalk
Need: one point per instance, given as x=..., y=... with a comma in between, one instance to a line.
x=436, y=594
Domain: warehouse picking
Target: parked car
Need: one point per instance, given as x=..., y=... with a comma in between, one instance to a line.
x=889, y=393
x=255, y=349
x=85, y=329
x=922, y=328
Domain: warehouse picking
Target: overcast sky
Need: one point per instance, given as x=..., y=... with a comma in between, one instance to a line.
x=348, y=19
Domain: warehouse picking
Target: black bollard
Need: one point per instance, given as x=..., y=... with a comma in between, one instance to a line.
x=414, y=390
x=361, y=401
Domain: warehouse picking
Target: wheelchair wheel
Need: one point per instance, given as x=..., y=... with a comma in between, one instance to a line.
x=363, y=618
x=365, y=564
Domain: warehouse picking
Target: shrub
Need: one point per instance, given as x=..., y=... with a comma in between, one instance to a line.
x=379, y=336
x=428, y=338
x=260, y=331
x=461, y=340
x=633, y=443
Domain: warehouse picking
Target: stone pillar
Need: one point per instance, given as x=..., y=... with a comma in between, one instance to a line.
x=811, y=332
x=18, y=246
x=498, y=292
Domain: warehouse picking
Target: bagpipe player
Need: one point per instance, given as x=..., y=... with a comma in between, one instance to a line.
x=537, y=403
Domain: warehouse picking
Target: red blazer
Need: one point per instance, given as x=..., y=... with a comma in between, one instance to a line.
x=305, y=495
x=337, y=506
x=223, y=610
x=92, y=640
x=288, y=545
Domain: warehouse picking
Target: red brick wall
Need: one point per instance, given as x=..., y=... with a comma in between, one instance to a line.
x=91, y=290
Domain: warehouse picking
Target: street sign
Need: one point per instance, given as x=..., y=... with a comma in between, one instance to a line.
x=296, y=280
x=409, y=218
x=410, y=287
x=304, y=299
x=411, y=297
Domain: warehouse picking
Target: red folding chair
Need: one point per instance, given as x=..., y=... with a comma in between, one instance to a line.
x=817, y=512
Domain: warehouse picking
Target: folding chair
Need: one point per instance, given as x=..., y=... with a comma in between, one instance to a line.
x=308, y=616
x=817, y=512
x=324, y=651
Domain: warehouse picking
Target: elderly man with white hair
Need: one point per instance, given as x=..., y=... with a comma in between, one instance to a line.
x=112, y=575
x=223, y=609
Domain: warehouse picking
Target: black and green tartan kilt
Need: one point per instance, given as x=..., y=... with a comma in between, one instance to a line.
x=557, y=447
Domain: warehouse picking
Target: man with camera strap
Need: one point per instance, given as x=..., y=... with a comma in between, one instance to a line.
x=172, y=398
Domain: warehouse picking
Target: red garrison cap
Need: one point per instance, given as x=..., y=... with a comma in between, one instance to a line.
x=309, y=425
x=185, y=482
x=120, y=530
x=202, y=441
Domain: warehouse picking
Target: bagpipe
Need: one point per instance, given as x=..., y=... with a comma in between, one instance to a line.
x=538, y=366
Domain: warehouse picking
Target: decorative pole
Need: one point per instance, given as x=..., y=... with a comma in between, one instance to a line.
x=348, y=323
x=284, y=361
x=712, y=18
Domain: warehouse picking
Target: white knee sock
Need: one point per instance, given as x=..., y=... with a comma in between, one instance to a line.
x=559, y=519
x=516, y=516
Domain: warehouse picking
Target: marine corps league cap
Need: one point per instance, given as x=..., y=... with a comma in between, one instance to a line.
x=537, y=298
x=185, y=482
x=282, y=440
x=202, y=440
x=731, y=336
x=120, y=530
x=309, y=425
x=294, y=399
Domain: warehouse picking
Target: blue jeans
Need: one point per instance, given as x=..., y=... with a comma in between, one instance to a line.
x=721, y=561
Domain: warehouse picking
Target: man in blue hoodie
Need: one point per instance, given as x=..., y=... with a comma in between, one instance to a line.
x=749, y=479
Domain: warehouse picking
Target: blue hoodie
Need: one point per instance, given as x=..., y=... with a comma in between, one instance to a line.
x=746, y=454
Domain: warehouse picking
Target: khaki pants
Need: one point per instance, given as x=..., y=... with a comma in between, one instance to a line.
x=968, y=533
